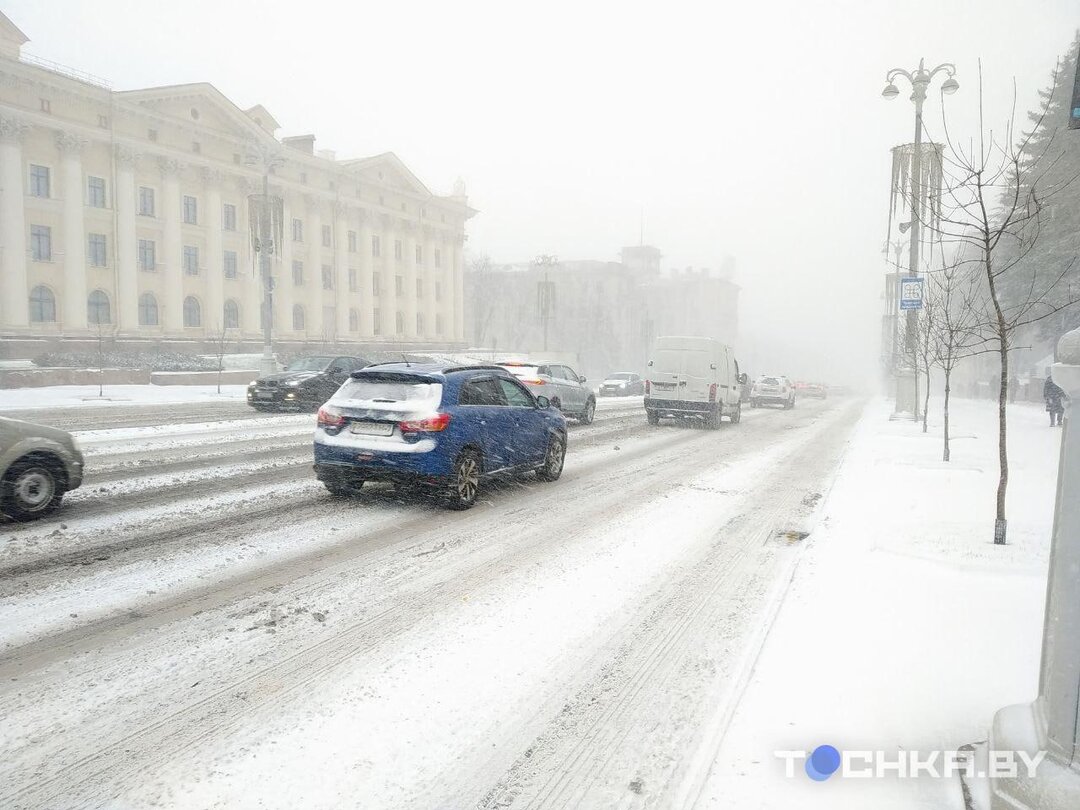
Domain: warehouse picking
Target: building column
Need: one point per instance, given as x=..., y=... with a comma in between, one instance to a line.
x=172, y=254
x=126, y=251
x=73, y=317
x=214, y=310
x=446, y=277
x=367, y=296
x=389, y=301
x=284, y=291
x=459, y=288
x=313, y=317
x=431, y=277
x=342, y=295
x=14, y=292
x=409, y=271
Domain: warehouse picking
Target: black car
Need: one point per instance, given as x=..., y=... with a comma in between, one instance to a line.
x=306, y=383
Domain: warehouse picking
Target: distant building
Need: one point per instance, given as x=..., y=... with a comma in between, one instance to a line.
x=605, y=314
x=128, y=213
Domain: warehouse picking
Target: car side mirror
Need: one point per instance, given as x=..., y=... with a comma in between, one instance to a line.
x=712, y=366
x=543, y=402
x=582, y=378
x=743, y=379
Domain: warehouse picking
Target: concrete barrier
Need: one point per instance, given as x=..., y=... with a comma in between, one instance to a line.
x=228, y=377
x=41, y=377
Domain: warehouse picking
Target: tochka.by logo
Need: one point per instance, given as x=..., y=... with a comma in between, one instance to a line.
x=825, y=760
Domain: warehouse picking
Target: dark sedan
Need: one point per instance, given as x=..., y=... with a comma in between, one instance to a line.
x=305, y=384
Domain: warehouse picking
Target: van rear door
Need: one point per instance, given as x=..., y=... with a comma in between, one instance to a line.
x=665, y=375
x=698, y=374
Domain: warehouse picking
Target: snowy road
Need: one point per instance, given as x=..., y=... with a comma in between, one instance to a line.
x=203, y=626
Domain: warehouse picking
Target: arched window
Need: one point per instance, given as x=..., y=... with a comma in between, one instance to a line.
x=148, y=312
x=399, y=324
x=192, y=312
x=232, y=315
x=42, y=305
x=354, y=321
x=97, y=308
x=297, y=318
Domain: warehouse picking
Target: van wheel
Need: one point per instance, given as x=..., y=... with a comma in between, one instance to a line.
x=653, y=417
x=753, y=403
x=586, y=418
x=736, y=415
x=30, y=490
x=712, y=421
x=464, y=481
x=553, y=460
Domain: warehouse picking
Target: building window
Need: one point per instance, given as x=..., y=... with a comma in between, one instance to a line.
x=191, y=261
x=376, y=249
x=419, y=254
x=327, y=236
x=196, y=147
x=232, y=315
x=399, y=285
x=353, y=283
x=298, y=273
x=438, y=257
x=398, y=250
x=438, y=291
x=97, y=308
x=303, y=177
x=147, y=256
x=376, y=322
x=191, y=210
x=399, y=323
x=419, y=288
x=39, y=180
x=46, y=105
x=42, y=305
x=354, y=321
x=228, y=263
x=148, y=313
x=352, y=241
x=419, y=323
x=146, y=201
x=151, y=135
x=41, y=243
x=327, y=277
x=95, y=192
x=297, y=318
x=438, y=324
x=192, y=312
x=298, y=230
x=103, y=121
x=96, y=248
x=228, y=217
x=376, y=284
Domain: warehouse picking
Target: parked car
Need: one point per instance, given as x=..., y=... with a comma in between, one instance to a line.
x=693, y=377
x=306, y=383
x=440, y=427
x=38, y=464
x=772, y=390
x=622, y=384
x=563, y=386
x=815, y=390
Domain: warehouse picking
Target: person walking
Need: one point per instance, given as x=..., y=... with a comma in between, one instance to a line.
x=1054, y=405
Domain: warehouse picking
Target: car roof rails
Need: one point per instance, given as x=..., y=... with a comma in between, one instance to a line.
x=474, y=368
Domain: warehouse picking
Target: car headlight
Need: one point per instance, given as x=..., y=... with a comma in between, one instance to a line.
x=253, y=383
x=292, y=383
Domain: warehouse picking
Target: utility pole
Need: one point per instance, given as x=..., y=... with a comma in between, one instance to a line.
x=267, y=160
x=920, y=80
x=546, y=294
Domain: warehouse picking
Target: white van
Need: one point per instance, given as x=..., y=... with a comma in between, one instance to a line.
x=693, y=377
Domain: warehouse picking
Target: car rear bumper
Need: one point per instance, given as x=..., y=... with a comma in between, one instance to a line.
x=379, y=464
x=777, y=398
x=679, y=406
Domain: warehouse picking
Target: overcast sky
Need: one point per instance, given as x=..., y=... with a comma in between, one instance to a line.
x=749, y=129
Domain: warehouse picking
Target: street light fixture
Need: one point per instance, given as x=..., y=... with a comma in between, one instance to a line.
x=920, y=80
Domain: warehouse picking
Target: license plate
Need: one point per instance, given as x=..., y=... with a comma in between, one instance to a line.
x=664, y=386
x=264, y=395
x=372, y=428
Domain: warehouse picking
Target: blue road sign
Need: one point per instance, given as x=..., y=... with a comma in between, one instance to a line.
x=911, y=292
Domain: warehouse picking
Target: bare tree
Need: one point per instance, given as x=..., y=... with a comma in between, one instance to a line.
x=991, y=202
x=925, y=354
x=221, y=335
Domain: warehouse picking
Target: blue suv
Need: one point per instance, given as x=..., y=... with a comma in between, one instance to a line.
x=447, y=428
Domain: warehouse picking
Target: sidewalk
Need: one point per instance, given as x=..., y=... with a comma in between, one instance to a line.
x=905, y=628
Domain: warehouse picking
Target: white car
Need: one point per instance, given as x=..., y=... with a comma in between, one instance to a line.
x=773, y=390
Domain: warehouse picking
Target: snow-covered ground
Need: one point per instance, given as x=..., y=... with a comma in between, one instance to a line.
x=906, y=627
x=67, y=396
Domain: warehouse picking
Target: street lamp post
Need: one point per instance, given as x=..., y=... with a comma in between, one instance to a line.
x=547, y=297
x=267, y=161
x=920, y=80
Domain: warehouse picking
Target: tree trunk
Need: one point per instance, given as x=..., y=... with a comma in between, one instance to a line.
x=945, y=416
x=926, y=400
x=1003, y=454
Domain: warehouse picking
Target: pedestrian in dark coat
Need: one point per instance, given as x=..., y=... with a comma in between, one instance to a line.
x=1054, y=397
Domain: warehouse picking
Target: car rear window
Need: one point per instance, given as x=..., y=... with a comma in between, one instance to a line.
x=397, y=390
x=770, y=381
x=523, y=371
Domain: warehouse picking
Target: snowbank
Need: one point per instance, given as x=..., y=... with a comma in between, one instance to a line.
x=905, y=627
x=59, y=396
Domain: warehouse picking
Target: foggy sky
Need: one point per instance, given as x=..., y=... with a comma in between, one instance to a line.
x=754, y=130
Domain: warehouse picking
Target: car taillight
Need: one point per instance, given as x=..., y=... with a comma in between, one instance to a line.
x=330, y=417
x=712, y=393
x=429, y=424
x=648, y=387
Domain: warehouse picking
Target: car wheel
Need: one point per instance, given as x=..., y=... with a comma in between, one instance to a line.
x=753, y=403
x=590, y=412
x=653, y=417
x=736, y=415
x=464, y=481
x=30, y=490
x=553, y=460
